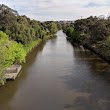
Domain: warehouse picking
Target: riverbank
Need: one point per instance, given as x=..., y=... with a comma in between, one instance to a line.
x=99, y=47
x=28, y=48
x=93, y=49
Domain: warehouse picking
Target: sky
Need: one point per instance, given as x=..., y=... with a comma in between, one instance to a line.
x=45, y=10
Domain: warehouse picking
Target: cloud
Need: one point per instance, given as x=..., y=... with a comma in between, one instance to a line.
x=91, y=4
x=59, y=9
x=95, y=4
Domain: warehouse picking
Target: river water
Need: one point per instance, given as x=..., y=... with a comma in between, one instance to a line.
x=57, y=76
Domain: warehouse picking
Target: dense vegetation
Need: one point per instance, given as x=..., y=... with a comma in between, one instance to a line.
x=92, y=32
x=18, y=35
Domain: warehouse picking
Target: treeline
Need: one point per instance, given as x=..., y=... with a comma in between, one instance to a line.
x=18, y=35
x=93, y=32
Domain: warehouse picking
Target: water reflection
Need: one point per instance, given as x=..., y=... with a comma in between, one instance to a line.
x=31, y=58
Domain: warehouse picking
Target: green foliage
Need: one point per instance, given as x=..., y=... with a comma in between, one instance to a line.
x=21, y=28
x=10, y=51
x=93, y=28
x=104, y=47
x=13, y=52
x=31, y=45
x=59, y=26
x=3, y=38
x=8, y=57
x=70, y=31
x=53, y=28
x=18, y=52
x=3, y=42
x=73, y=36
x=2, y=79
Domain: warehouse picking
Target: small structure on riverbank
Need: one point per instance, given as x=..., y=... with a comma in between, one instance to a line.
x=12, y=72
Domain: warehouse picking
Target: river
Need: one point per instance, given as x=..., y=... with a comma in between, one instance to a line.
x=57, y=76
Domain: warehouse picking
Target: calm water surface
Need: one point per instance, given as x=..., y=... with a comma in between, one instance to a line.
x=57, y=76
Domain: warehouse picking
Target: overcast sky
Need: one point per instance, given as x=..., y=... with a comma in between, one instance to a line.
x=59, y=9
